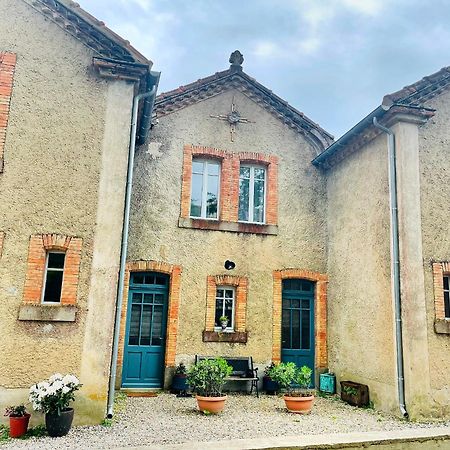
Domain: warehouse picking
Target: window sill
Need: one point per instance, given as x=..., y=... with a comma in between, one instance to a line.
x=239, y=337
x=47, y=313
x=442, y=326
x=233, y=227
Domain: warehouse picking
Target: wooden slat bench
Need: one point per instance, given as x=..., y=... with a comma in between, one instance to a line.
x=243, y=369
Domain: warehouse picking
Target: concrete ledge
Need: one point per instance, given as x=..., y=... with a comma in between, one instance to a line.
x=442, y=326
x=233, y=227
x=45, y=313
x=414, y=439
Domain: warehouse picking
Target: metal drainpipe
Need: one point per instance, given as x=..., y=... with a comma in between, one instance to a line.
x=123, y=255
x=395, y=265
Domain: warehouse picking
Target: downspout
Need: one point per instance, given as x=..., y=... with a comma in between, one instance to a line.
x=395, y=263
x=123, y=256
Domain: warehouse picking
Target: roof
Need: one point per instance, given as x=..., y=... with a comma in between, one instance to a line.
x=236, y=78
x=410, y=100
x=90, y=31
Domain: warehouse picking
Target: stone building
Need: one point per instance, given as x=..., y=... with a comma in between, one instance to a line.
x=241, y=207
x=66, y=90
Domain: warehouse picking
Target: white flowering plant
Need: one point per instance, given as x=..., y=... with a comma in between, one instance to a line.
x=54, y=395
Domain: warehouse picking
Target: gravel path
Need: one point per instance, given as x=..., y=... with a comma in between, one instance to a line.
x=167, y=419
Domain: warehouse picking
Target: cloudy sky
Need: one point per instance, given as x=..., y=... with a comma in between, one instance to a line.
x=332, y=59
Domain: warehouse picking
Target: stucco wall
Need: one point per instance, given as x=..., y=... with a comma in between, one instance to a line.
x=62, y=175
x=360, y=315
x=155, y=234
x=434, y=153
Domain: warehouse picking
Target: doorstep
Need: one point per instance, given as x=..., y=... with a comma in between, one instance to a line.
x=415, y=439
x=141, y=392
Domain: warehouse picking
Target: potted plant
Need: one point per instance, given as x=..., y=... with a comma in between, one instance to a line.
x=269, y=386
x=296, y=381
x=18, y=420
x=223, y=322
x=53, y=397
x=179, y=380
x=207, y=378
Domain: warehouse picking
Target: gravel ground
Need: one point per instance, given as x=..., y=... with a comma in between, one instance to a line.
x=167, y=419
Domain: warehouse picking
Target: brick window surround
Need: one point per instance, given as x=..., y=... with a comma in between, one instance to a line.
x=39, y=246
x=229, y=191
x=441, y=323
x=172, y=314
x=7, y=66
x=320, y=312
x=239, y=334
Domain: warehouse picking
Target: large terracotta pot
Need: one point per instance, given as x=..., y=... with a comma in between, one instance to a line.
x=59, y=425
x=299, y=405
x=211, y=404
x=18, y=426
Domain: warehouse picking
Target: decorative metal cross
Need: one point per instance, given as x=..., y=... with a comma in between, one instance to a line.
x=233, y=117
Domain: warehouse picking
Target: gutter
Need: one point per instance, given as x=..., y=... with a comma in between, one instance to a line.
x=149, y=98
x=395, y=263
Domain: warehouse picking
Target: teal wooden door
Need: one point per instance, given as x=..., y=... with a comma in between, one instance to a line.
x=297, y=324
x=143, y=362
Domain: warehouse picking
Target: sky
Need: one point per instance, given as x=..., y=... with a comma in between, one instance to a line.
x=334, y=60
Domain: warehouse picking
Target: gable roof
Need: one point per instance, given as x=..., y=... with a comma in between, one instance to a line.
x=235, y=78
x=410, y=100
x=92, y=32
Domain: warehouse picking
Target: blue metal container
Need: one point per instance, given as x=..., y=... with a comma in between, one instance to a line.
x=327, y=383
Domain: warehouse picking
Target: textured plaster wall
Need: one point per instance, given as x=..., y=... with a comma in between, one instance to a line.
x=434, y=154
x=61, y=176
x=155, y=235
x=360, y=315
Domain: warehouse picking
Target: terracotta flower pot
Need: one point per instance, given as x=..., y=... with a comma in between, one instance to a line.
x=299, y=405
x=18, y=426
x=59, y=425
x=211, y=404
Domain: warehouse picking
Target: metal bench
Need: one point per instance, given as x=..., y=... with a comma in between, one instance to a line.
x=243, y=369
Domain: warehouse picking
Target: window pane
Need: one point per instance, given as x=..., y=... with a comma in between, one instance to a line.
x=258, y=202
x=159, y=299
x=56, y=260
x=138, y=278
x=244, y=197
x=259, y=173
x=219, y=311
x=229, y=293
x=229, y=310
x=148, y=298
x=53, y=285
x=196, y=195
x=219, y=293
x=197, y=167
x=137, y=297
x=146, y=324
x=446, y=283
x=135, y=319
x=157, y=331
x=213, y=168
x=285, y=330
x=211, y=196
x=295, y=328
x=162, y=281
x=305, y=330
x=244, y=172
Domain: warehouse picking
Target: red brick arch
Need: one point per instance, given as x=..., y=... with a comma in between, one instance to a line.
x=320, y=312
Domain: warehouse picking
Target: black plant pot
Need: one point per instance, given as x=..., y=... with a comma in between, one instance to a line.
x=270, y=386
x=179, y=383
x=59, y=425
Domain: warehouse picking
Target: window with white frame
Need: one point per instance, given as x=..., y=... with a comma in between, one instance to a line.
x=447, y=296
x=225, y=304
x=205, y=189
x=252, y=193
x=53, y=278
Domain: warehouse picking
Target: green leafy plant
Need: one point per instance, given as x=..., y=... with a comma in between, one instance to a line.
x=349, y=390
x=267, y=369
x=291, y=378
x=223, y=319
x=180, y=369
x=4, y=433
x=15, y=411
x=207, y=377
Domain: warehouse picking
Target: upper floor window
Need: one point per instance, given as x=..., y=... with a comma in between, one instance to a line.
x=252, y=194
x=205, y=189
x=447, y=296
x=53, y=279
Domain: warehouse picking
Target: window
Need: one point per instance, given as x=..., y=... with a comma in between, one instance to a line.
x=447, y=296
x=54, y=271
x=205, y=189
x=252, y=192
x=225, y=300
